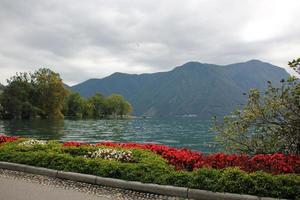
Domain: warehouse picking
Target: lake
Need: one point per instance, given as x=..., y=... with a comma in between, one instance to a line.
x=187, y=132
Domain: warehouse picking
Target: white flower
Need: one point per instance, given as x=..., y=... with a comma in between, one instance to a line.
x=32, y=142
x=110, y=154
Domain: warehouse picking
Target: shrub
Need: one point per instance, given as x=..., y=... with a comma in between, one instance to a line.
x=152, y=168
x=188, y=160
x=234, y=180
x=206, y=179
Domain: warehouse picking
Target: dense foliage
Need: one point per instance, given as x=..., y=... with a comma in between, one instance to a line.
x=190, y=160
x=96, y=106
x=1, y=88
x=27, y=96
x=295, y=64
x=42, y=94
x=268, y=123
x=149, y=167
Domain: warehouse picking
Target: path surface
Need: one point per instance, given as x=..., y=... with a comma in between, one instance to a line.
x=23, y=186
x=12, y=189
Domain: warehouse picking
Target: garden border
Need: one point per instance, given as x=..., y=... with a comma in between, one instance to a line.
x=131, y=185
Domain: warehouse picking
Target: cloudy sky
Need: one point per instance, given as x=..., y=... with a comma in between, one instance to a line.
x=94, y=38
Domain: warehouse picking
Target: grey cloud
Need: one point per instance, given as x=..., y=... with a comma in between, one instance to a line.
x=84, y=39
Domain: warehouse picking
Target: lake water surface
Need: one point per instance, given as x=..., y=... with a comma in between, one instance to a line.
x=187, y=132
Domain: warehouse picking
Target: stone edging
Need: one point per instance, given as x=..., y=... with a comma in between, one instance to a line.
x=131, y=185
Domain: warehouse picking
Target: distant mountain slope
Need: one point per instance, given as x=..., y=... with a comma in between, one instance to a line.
x=193, y=88
x=66, y=86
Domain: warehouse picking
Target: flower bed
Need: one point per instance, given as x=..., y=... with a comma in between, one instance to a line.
x=189, y=160
x=4, y=139
x=33, y=142
x=74, y=144
x=156, y=164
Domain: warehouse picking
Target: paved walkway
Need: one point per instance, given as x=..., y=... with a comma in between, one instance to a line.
x=12, y=189
x=23, y=186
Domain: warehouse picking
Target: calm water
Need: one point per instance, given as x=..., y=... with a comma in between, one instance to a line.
x=192, y=133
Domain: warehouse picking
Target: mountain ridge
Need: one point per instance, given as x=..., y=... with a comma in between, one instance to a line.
x=193, y=88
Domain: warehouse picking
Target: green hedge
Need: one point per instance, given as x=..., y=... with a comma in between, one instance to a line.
x=152, y=168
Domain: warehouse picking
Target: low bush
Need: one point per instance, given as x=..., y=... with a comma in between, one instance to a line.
x=150, y=167
x=189, y=160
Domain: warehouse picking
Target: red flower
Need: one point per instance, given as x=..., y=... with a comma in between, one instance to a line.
x=74, y=144
x=4, y=138
x=185, y=159
x=189, y=160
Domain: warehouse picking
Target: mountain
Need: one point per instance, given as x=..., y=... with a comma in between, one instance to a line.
x=66, y=86
x=193, y=88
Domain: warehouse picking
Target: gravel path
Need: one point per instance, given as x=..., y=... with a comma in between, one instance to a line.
x=93, y=191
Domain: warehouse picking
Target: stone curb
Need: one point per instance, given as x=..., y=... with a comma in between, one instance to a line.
x=131, y=185
x=12, y=166
x=143, y=187
x=41, y=171
x=77, y=177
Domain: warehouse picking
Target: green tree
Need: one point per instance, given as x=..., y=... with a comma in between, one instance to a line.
x=98, y=105
x=295, y=64
x=126, y=108
x=75, y=106
x=88, y=111
x=43, y=94
x=269, y=122
x=1, y=88
x=49, y=93
x=1, y=107
x=116, y=105
x=17, y=98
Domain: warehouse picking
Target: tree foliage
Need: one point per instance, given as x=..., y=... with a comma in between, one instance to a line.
x=17, y=97
x=30, y=95
x=49, y=93
x=117, y=105
x=43, y=94
x=269, y=122
x=74, y=106
x=295, y=64
x=96, y=106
